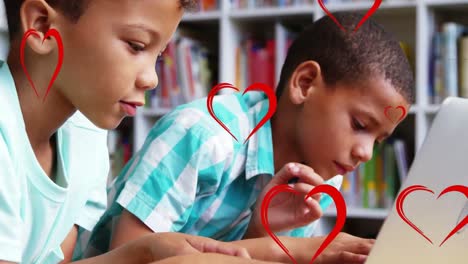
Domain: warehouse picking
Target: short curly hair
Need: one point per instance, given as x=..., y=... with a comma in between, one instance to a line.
x=348, y=56
x=73, y=9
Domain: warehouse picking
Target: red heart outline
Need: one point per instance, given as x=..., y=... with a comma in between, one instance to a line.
x=369, y=13
x=51, y=32
x=324, y=188
x=403, y=110
x=404, y=194
x=255, y=87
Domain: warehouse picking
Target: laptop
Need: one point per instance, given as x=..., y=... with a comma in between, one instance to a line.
x=442, y=161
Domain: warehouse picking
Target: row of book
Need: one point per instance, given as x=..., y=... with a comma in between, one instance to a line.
x=248, y=4
x=184, y=74
x=374, y=184
x=364, y=1
x=449, y=62
x=255, y=62
x=207, y=5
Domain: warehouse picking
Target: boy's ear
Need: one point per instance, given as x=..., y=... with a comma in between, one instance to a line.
x=38, y=15
x=304, y=80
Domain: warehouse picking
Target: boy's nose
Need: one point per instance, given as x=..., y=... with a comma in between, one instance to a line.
x=148, y=80
x=363, y=152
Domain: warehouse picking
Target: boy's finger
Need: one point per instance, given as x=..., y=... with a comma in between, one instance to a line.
x=352, y=258
x=363, y=246
x=243, y=253
x=306, y=174
x=310, y=202
x=285, y=174
x=231, y=249
x=313, y=211
x=305, y=188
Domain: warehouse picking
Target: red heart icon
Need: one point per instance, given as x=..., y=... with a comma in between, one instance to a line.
x=324, y=188
x=366, y=16
x=51, y=32
x=403, y=113
x=402, y=196
x=256, y=87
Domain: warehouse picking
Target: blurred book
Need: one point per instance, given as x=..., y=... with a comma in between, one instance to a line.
x=206, y=5
x=255, y=62
x=249, y=4
x=366, y=1
x=401, y=158
x=447, y=70
x=374, y=184
x=184, y=74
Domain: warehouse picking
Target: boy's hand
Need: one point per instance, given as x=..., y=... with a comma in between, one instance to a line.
x=210, y=258
x=345, y=249
x=164, y=245
x=287, y=210
x=161, y=246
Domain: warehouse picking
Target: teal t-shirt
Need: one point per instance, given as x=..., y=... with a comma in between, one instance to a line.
x=36, y=214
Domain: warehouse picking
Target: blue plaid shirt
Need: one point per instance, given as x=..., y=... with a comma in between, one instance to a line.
x=192, y=177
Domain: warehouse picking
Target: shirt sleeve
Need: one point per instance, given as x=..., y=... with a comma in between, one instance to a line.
x=11, y=244
x=96, y=203
x=165, y=177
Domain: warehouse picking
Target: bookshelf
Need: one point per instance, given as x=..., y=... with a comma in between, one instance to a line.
x=412, y=21
x=414, y=26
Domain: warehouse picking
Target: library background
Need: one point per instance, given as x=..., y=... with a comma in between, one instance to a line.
x=226, y=41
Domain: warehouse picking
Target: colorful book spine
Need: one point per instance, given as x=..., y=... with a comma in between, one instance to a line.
x=390, y=176
x=370, y=196
x=374, y=184
x=401, y=158
x=438, y=71
x=208, y=5
x=451, y=32
x=379, y=177
x=255, y=63
x=184, y=74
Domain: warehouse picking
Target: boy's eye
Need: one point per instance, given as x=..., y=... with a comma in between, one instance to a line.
x=357, y=125
x=136, y=47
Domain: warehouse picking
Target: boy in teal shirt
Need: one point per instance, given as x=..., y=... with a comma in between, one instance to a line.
x=53, y=153
x=191, y=176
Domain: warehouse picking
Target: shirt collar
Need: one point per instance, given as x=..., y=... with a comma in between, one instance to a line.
x=260, y=145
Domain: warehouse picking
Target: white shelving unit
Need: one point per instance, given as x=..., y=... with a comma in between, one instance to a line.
x=4, y=39
x=412, y=21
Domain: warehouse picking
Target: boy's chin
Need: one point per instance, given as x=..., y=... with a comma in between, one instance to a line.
x=327, y=176
x=108, y=123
